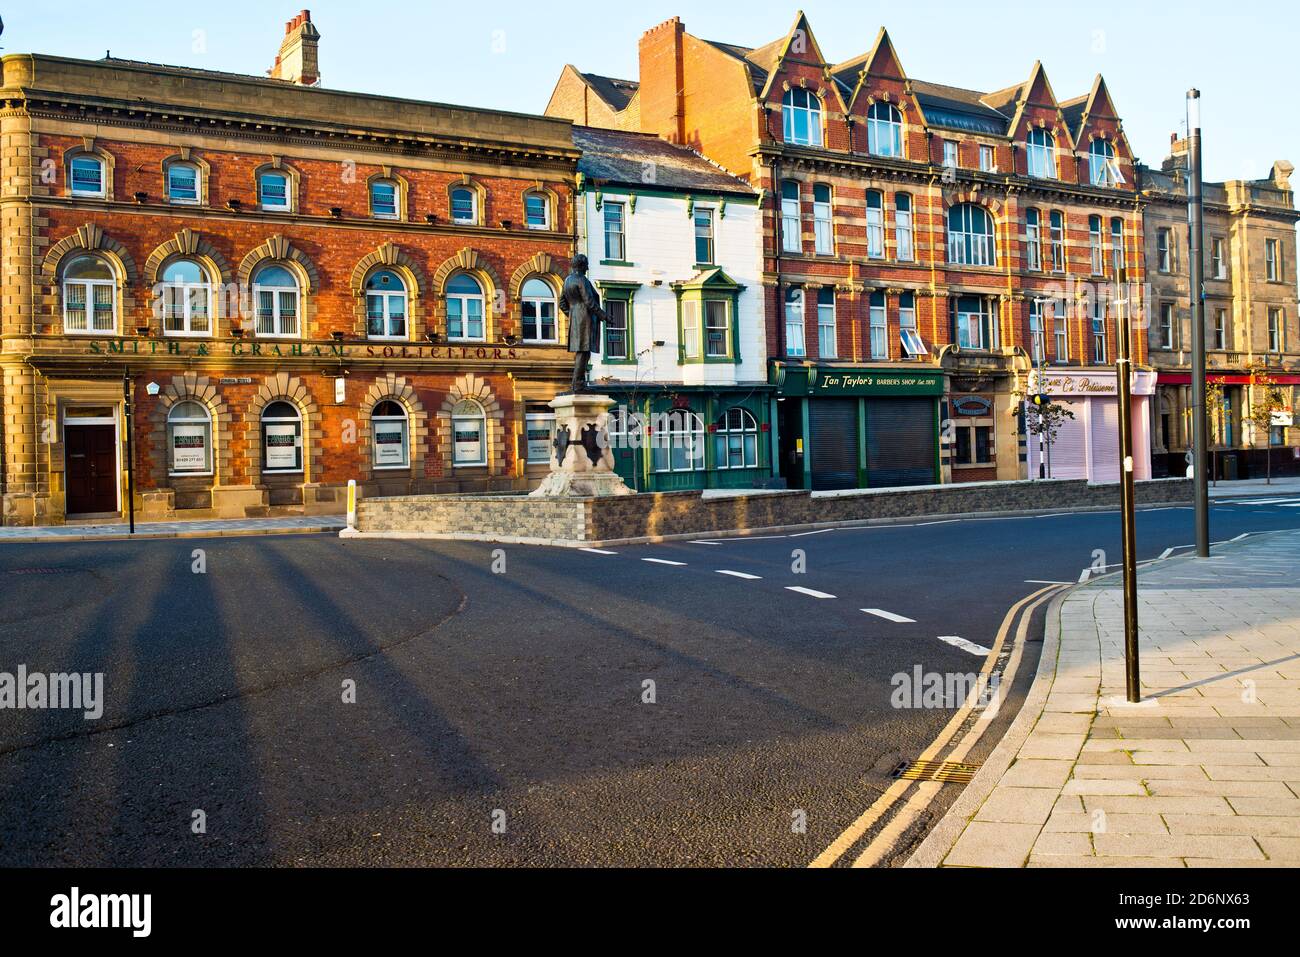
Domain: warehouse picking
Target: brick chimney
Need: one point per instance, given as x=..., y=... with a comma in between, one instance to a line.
x=662, y=79
x=1177, y=158
x=296, y=62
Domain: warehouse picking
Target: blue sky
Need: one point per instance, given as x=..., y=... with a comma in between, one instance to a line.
x=507, y=55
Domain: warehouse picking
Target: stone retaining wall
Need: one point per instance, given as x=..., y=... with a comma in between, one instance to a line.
x=517, y=518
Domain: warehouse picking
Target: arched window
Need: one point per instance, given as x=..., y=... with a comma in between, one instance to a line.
x=281, y=438
x=89, y=296
x=537, y=210
x=385, y=305
x=677, y=441
x=970, y=236
x=464, y=308
x=391, y=436
x=86, y=176
x=538, y=310
x=794, y=344
x=186, y=294
x=183, y=183
x=383, y=199
x=189, y=439
x=801, y=114
x=1040, y=149
x=468, y=434
x=884, y=130
x=464, y=206
x=275, y=290
x=735, y=440
x=273, y=191
x=1101, y=162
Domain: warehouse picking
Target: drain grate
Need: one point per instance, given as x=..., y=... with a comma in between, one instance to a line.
x=41, y=571
x=949, y=772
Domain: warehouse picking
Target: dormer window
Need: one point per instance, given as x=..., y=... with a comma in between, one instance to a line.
x=87, y=176
x=884, y=130
x=1101, y=162
x=801, y=115
x=1040, y=150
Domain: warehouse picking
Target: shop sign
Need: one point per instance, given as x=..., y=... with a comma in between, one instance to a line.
x=1282, y=417
x=281, y=445
x=189, y=448
x=1087, y=384
x=972, y=406
x=253, y=349
x=840, y=381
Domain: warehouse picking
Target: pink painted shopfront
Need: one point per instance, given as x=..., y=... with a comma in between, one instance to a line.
x=1087, y=446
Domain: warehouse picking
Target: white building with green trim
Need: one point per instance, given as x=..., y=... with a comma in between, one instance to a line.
x=675, y=246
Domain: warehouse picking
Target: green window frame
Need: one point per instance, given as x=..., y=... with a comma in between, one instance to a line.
x=616, y=297
x=707, y=326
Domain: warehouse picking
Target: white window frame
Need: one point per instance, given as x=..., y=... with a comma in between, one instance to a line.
x=1272, y=259
x=1102, y=166
x=390, y=184
x=1276, y=329
x=1164, y=251
x=724, y=432
x=826, y=325
x=464, y=299
x=73, y=190
x=1098, y=322
x=206, y=421
x=1096, y=245
x=299, y=449
x=1056, y=239
x=545, y=200
x=983, y=323
x=685, y=429
x=702, y=219
x=1216, y=258
x=904, y=247
x=473, y=218
x=1040, y=154
x=187, y=318
x=988, y=158
x=198, y=184
x=271, y=207
x=875, y=224
x=385, y=297
x=88, y=287
x=1060, y=335
x=811, y=110
x=823, y=222
x=908, y=334
x=1034, y=240
x=1037, y=333
x=967, y=247
x=537, y=303
x=885, y=132
x=277, y=294
x=795, y=329
x=531, y=420
x=620, y=232
x=1221, y=329
x=691, y=324
x=878, y=324
x=708, y=324
x=951, y=154
x=791, y=218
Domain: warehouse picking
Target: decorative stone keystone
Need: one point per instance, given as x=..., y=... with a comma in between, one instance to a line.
x=581, y=461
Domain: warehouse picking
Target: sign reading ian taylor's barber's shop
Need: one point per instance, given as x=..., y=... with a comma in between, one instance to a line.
x=253, y=349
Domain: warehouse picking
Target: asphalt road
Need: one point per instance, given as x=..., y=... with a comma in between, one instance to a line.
x=500, y=714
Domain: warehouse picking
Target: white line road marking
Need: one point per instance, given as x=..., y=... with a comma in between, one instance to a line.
x=948, y=521
x=706, y=543
x=597, y=551
x=965, y=645
x=816, y=531
x=744, y=575
x=808, y=591
x=1042, y=581
x=1241, y=536
x=1085, y=574
x=1168, y=551
x=662, y=561
x=888, y=615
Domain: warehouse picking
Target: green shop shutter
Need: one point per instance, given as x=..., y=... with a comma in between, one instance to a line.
x=834, y=443
x=901, y=442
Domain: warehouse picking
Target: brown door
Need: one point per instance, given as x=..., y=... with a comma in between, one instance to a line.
x=92, y=468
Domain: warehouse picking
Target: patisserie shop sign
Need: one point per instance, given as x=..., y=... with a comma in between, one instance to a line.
x=240, y=349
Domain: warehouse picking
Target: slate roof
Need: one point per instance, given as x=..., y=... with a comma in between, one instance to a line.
x=617, y=156
x=617, y=93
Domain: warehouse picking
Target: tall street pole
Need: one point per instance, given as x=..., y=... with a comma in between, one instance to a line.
x=1195, y=223
x=1123, y=371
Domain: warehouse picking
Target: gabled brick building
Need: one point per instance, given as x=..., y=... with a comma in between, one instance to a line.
x=295, y=286
x=924, y=247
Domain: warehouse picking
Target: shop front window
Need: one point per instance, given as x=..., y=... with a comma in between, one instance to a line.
x=391, y=436
x=281, y=438
x=735, y=440
x=189, y=439
x=469, y=434
x=677, y=441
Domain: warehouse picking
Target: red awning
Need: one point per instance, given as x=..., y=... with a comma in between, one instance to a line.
x=1228, y=378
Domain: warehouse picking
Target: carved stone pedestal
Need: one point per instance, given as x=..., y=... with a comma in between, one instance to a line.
x=582, y=463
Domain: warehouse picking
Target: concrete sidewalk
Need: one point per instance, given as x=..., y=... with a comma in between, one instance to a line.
x=1253, y=488
x=1205, y=772
x=193, y=528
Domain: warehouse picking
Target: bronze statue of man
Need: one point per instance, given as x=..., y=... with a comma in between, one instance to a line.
x=581, y=303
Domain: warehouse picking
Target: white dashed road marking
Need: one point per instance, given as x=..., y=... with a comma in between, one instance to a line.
x=816, y=531
x=965, y=645
x=888, y=615
x=808, y=591
x=706, y=543
x=1085, y=574
x=748, y=577
x=662, y=561
x=1043, y=581
x=597, y=551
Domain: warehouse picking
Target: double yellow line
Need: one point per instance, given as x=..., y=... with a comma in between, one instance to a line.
x=925, y=791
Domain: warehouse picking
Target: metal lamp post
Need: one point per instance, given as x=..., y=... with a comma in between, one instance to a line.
x=1195, y=223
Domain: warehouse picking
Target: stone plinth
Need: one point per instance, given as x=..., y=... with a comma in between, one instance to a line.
x=582, y=465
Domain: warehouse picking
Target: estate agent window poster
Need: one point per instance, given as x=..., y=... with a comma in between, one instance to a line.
x=189, y=448
x=282, y=446
x=390, y=444
x=469, y=442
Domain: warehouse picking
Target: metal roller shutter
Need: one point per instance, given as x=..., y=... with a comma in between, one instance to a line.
x=1104, y=431
x=1069, y=456
x=834, y=444
x=901, y=442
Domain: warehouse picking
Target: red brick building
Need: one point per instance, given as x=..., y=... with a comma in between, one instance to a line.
x=925, y=246
x=295, y=286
